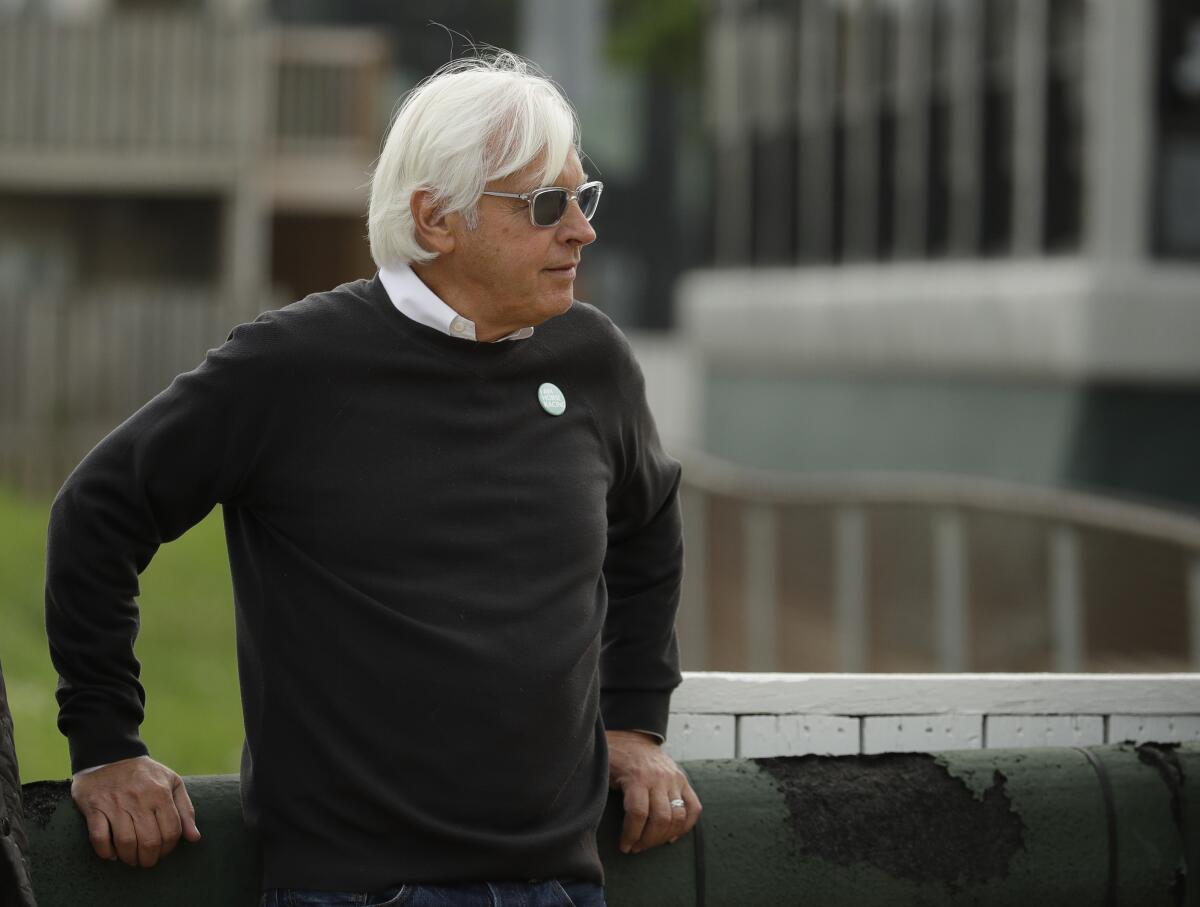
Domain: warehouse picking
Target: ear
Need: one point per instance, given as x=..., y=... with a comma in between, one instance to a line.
x=432, y=225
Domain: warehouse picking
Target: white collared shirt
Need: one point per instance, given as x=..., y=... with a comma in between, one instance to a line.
x=413, y=299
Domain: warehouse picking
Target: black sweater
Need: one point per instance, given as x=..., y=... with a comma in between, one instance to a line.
x=444, y=594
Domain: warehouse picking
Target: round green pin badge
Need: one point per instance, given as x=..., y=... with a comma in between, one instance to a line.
x=552, y=399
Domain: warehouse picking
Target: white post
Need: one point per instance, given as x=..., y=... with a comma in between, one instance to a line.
x=950, y=578
x=692, y=623
x=760, y=535
x=850, y=588
x=247, y=228
x=912, y=128
x=728, y=97
x=1193, y=593
x=1066, y=599
x=565, y=40
x=1118, y=127
x=860, y=115
x=966, y=127
x=817, y=108
x=1029, y=126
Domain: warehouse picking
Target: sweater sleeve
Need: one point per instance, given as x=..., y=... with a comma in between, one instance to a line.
x=643, y=567
x=154, y=476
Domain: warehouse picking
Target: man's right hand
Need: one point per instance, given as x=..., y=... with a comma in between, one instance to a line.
x=136, y=809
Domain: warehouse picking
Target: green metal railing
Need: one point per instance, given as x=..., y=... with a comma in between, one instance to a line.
x=1102, y=825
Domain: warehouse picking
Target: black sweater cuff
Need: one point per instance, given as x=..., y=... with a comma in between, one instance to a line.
x=636, y=710
x=100, y=746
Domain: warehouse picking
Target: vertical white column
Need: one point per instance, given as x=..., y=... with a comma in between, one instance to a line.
x=761, y=563
x=1193, y=597
x=728, y=94
x=692, y=623
x=815, y=95
x=1066, y=599
x=860, y=100
x=1118, y=128
x=912, y=128
x=247, y=228
x=850, y=588
x=565, y=39
x=773, y=111
x=1029, y=126
x=966, y=127
x=950, y=590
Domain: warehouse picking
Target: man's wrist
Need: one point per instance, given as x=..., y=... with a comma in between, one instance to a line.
x=96, y=768
x=657, y=738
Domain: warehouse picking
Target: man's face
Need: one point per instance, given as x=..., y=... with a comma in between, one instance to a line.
x=521, y=274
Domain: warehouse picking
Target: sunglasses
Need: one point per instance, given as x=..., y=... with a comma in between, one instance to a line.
x=548, y=204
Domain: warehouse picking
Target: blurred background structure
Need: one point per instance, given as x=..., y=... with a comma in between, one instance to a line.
x=913, y=281
x=959, y=238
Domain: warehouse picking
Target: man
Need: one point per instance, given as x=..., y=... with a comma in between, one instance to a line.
x=454, y=540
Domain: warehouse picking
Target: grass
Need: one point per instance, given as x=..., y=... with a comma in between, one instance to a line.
x=186, y=647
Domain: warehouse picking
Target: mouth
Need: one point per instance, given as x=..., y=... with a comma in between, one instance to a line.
x=563, y=271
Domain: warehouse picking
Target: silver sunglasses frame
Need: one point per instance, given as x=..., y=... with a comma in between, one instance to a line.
x=572, y=196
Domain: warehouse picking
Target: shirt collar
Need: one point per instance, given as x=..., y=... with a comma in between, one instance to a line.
x=413, y=299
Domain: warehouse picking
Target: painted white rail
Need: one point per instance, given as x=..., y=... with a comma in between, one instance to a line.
x=850, y=503
x=180, y=100
x=725, y=715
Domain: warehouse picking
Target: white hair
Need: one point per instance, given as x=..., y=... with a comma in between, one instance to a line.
x=476, y=119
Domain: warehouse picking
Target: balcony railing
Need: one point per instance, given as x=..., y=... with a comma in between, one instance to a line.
x=327, y=90
x=895, y=572
x=146, y=83
x=195, y=96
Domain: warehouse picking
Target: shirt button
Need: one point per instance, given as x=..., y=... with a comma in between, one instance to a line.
x=458, y=327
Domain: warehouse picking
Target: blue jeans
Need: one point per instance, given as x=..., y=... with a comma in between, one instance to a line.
x=481, y=894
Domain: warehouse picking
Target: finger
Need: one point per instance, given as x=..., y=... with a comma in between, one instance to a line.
x=187, y=812
x=149, y=841
x=100, y=834
x=689, y=814
x=679, y=817
x=637, y=810
x=691, y=800
x=659, y=822
x=169, y=826
x=124, y=836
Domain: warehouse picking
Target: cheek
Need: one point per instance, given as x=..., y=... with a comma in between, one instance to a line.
x=528, y=259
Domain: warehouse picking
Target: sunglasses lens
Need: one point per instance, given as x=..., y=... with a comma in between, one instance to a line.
x=589, y=198
x=548, y=207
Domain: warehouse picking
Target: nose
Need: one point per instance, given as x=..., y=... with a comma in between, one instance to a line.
x=574, y=227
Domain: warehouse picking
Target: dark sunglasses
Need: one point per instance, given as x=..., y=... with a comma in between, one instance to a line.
x=548, y=204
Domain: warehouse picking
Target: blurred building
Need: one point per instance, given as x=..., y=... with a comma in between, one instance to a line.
x=956, y=237
x=166, y=170
x=183, y=145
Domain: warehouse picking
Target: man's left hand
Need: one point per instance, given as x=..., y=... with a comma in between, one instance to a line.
x=650, y=780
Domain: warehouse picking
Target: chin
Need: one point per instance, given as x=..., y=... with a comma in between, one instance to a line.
x=556, y=303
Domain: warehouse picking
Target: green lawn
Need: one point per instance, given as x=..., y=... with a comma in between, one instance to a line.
x=186, y=647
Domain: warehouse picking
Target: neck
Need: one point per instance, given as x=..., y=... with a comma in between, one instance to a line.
x=467, y=301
